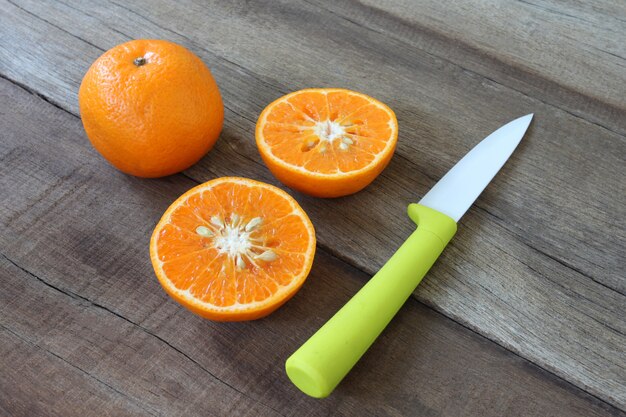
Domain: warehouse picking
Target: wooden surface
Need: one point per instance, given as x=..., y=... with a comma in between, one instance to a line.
x=525, y=311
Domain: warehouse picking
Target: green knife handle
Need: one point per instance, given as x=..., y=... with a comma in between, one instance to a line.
x=325, y=359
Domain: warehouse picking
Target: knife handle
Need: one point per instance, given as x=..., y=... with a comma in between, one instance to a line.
x=325, y=359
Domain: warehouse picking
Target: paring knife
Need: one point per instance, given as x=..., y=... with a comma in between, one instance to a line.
x=325, y=359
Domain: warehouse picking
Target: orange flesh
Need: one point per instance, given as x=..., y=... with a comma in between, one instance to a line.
x=308, y=129
x=222, y=273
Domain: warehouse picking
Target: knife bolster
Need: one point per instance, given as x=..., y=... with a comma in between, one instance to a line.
x=437, y=223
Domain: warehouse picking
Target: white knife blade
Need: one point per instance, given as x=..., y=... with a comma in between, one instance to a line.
x=458, y=189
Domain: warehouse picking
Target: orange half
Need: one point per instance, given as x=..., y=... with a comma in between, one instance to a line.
x=327, y=142
x=233, y=249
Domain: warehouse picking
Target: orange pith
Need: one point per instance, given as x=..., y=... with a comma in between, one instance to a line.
x=326, y=142
x=233, y=249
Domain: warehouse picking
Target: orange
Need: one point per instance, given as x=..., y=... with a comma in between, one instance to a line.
x=326, y=142
x=150, y=107
x=233, y=249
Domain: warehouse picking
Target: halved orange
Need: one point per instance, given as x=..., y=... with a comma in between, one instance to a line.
x=326, y=142
x=233, y=249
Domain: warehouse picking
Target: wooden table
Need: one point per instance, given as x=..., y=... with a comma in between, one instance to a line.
x=523, y=315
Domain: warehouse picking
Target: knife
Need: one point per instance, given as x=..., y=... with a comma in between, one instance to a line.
x=325, y=359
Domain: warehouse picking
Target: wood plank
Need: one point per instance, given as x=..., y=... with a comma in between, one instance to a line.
x=562, y=305
x=77, y=290
x=36, y=382
x=59, y=334
x=566, y=53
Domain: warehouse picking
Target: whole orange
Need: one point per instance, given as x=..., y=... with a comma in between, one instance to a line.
x=150, y=107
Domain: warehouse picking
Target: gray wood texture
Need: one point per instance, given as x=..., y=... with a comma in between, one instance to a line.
x=86, y=329
x=537, y=266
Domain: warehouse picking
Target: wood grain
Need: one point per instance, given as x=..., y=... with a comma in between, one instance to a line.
x=538, y=263
x=566, y=53
x=86, y=330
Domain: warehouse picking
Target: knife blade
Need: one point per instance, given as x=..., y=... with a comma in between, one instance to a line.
x=318, y=366
x=458, y=189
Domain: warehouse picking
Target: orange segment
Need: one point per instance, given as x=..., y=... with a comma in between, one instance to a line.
x=342, y=105
x=326, y=142
x=233, y=249
x=314, y=105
